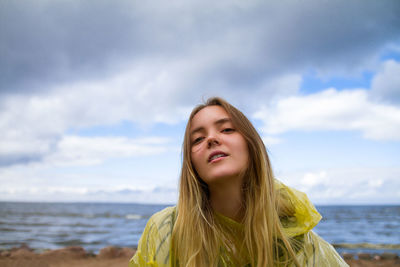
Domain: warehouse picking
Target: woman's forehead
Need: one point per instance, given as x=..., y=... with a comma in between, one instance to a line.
x=209, y=115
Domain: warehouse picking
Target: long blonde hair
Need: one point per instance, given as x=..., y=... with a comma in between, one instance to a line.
x=197, y=238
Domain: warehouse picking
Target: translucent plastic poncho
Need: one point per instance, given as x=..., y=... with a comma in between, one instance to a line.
x=154, y=247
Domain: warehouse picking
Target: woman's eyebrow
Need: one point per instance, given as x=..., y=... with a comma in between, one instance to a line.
x=217, y=122
x=222, y=121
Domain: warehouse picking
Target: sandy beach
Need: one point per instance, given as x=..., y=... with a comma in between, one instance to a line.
x=119, y=257
x=66, y=257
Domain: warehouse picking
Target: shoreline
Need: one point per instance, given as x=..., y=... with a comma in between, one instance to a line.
x=65, y=257
x=119, y=256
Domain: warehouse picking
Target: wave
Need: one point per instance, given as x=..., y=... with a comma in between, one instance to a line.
x=367, y=246
x=134, y=217
x=66, y=214
x=14, y=230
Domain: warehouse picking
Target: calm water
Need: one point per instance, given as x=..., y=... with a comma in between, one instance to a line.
x=94, y=226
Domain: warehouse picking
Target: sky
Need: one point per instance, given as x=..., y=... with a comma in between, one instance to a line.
x=95, y=96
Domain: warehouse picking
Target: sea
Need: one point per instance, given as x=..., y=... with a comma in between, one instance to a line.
x=42, y=226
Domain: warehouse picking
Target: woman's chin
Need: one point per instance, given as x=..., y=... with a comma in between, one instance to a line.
x=221, y=178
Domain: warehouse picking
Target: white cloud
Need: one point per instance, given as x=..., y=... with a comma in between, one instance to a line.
x=347, y=185
x=75, y=150
x=32, y=126
x=333, y=110
x=375, y=183
x=162, y=195
x=271, y=140
x=312, y=179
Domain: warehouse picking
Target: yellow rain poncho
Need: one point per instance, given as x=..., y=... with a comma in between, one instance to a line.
x=155, y=244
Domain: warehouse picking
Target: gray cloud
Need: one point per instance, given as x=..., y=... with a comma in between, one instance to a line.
x=46, y=42
x=70, y=64
x=386, y=85
x=18, y=159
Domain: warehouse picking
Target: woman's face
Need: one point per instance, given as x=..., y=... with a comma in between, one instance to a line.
x=218, y=151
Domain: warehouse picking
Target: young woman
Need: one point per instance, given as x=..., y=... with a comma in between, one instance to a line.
x=231, y=211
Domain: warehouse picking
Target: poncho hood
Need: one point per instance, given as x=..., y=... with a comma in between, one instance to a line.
x=305, y=216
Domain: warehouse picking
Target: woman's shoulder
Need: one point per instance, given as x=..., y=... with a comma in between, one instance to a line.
x=162, y=221
x=319, y=252
x=154, y=245
x=165, y=216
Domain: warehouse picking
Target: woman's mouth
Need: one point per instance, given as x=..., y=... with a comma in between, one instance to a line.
x=216, y=155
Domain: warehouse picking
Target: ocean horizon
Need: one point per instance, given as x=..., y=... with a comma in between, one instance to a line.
x=94, y=225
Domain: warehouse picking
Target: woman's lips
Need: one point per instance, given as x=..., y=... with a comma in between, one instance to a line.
x=217, y=155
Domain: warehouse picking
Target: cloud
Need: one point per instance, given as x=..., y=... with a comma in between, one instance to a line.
x=347, y=185
x=33, y=132
x=157, y=195
x=66, y=66
x=326, y=186
x=313, y=179
x=332, y=110
x=386, y=83
x=70, y=65
x=236, y=45
x=32, y=126
x=271, y=140
x=76, y=150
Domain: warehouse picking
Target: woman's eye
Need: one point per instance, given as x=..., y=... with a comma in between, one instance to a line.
x=228, y=130
x=197, y=140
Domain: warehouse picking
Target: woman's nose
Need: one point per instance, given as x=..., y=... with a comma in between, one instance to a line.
x=212, y=141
